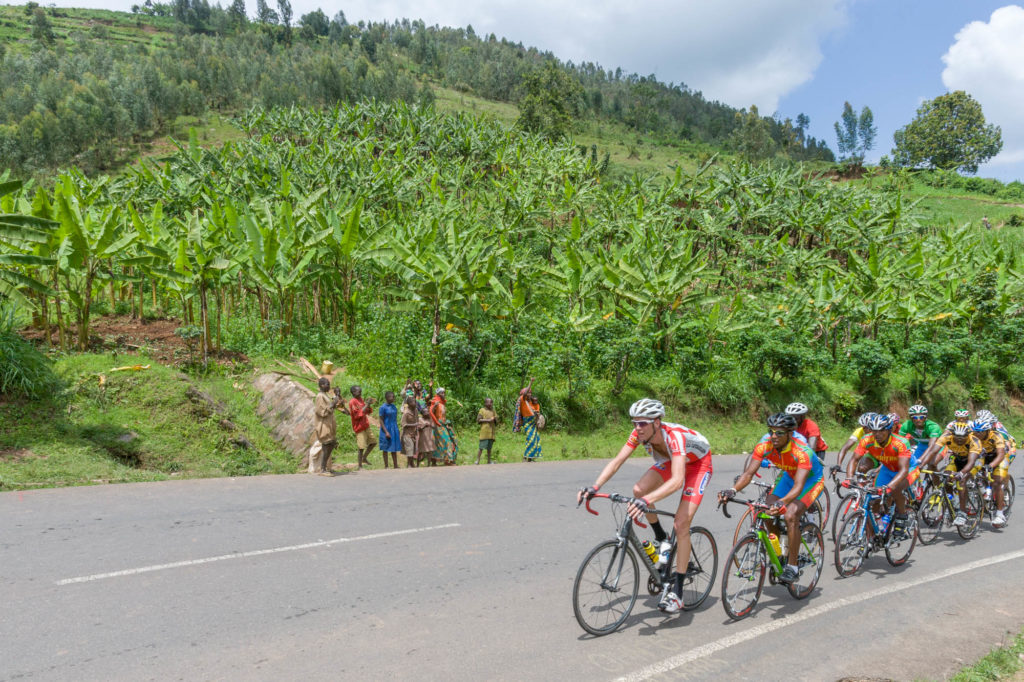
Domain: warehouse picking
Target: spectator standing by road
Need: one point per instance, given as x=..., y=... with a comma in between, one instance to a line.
x=359, y=411
x=426, y=437
x=390, y=438
x=410, y=435
x=487, y=418
x=447, y=448
x=985, y=223
x=326, y=427
x=528, y=411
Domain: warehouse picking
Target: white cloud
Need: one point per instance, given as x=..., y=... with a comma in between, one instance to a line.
x=987, y=61
x=740, y=52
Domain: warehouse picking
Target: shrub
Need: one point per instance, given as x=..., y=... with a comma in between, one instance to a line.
x=24, y=371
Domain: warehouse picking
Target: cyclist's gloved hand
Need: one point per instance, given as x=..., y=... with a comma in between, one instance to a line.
x=727, y=494
x=834, y=469
x=585, y=494
x=845, y=483
x=638, y=506
x=959, y=476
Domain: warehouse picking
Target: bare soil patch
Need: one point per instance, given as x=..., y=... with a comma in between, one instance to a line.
x=18, y=454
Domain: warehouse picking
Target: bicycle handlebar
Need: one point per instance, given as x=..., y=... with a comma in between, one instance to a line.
x=723, y=505
x=614, y=497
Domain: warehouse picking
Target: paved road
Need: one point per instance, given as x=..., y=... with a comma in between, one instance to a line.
x=456, y=574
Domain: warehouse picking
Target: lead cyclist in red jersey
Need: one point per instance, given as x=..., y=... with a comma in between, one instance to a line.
x=682, y=456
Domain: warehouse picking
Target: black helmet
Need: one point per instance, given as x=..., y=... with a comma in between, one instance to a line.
x=781, y=420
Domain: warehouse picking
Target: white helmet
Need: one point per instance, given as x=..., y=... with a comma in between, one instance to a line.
x=796, y=409
x=917, y=411
x=646, y=408
x=986, y=415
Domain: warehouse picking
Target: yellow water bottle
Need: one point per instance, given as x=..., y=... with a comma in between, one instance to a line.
x=774, y=539
x=652, y=553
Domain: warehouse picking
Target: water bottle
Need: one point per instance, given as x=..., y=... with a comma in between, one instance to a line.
x=652, y=553
x=776, y=545
x=663, y=552
x=988, y=492
x=883, y=523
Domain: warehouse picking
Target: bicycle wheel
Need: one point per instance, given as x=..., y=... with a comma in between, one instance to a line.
x=816, y=513
x=826, y=503
x=703, y=565
x=743, y=577
x=1009, y=491
x=851, y=544
x=743, y=525
x=975, y=509
x=810, y=561
x=846, y=506
x=606, y=587
x=931, y=515
x=898, y=551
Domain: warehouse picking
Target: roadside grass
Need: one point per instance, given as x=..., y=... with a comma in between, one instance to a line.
x=1002, y=663
x=138, y=426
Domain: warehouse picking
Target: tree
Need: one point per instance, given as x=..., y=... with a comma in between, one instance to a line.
x=41, y=29
x=264, y=14
x=284, y=8
x=315, y=24
x=552, y=99
x=236, y=10
x=948, y=132
x=752, y=138
x=856, y=135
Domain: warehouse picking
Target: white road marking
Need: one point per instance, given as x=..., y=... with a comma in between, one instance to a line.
x=678, y=660
x=243, y=555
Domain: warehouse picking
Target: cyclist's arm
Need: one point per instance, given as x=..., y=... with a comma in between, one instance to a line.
x=613, y=466
x=1000, y=456
x=972, y=457
x=674, y=483
x=931, y=453
x=812, y=443
x=851, y=468
x=850, y=442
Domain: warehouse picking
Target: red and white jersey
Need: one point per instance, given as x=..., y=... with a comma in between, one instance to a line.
x=680, y=440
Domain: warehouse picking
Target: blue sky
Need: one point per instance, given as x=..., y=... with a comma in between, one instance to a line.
x=785, y=56
x=888, y=56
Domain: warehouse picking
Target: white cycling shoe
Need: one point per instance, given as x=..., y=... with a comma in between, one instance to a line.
x=671, y=603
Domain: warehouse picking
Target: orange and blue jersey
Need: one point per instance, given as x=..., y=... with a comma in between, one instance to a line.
x=888, y=455
x=792, y=457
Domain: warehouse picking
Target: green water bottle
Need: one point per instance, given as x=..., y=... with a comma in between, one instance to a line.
x=652, y=553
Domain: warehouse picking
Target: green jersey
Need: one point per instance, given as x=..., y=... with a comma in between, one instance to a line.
x=924, y=433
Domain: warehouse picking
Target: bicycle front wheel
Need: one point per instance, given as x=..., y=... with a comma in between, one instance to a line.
x=844, y=508
x=809, y=562
x=743, y=577
x=606, y=587
x=743, y=526
x=975, y=509
x=826, y=503
x=700, y=573
x=1009, y=490
x=930, y=516
x=898, y=551
x=851, y=544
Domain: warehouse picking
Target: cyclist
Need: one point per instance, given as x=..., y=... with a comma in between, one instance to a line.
x=920, y=430
x=960, y=416
x=681, y=456
x=854, y=438
x=1011, y=442
x=800, y=484
x=963, y=449
x=993, y=449
x=896, y=422
x=809, y=429
x=897, y=467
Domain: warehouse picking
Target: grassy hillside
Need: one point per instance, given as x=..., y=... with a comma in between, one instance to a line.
x=119, y=28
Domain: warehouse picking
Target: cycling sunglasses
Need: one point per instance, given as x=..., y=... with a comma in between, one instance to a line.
x=919, y=416
x=778, y=432
x=641, y=424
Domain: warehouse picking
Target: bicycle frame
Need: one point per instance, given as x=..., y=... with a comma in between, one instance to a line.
x=761, y=532
x=625, y=534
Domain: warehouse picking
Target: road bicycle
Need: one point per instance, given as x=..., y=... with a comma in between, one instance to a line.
x=754, y=557
x=940, y=504
x=863, y=532
x=608, y=581
x=817, y=513
x=985, y=481
x=850, y=500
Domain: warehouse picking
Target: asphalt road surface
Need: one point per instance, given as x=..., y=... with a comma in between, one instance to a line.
x=450, y=573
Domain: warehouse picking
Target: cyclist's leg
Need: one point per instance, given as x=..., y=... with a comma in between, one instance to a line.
x=998, y=481
x=794, y=513
x=698, y=474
